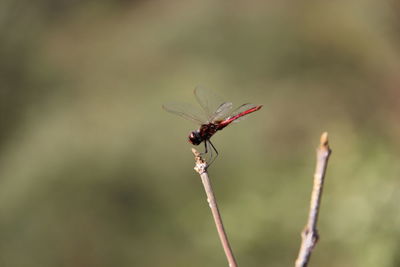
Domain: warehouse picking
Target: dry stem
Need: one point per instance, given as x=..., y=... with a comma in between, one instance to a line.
x=201, y=169
x=310, y=234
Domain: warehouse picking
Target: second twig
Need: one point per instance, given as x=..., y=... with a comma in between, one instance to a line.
x=310, y=233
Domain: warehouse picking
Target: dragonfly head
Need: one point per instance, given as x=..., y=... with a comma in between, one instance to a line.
x=195, y=138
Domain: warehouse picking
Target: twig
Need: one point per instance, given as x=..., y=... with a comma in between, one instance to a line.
x=201, y=169
x=310, y=233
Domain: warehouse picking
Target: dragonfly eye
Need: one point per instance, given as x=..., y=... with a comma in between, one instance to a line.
x=195, y=138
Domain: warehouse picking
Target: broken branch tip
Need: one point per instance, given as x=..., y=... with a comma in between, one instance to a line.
x=324, y=141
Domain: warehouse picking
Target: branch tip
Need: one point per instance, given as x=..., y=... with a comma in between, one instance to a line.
x=324, y=139
x=324, y=142
x=195, y=152
x=201, y=165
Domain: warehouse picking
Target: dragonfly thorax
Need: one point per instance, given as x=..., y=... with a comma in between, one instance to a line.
x=204, y=133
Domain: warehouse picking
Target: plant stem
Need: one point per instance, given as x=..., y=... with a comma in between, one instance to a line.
x=310, y=233
x=201, y=169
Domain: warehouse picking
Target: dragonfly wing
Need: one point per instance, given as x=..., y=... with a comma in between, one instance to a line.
x=222, y=112
x=186, y=110
x=208, y=100
x=240, y=110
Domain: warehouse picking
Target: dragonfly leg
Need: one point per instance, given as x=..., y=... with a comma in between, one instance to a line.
x=205, y=149
x=211, y=154
x=212, y=159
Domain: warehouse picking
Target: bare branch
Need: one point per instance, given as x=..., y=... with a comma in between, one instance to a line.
x=201, y=169
x=310, y=233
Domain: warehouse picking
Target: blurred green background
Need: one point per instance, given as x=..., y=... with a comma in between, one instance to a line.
x=94, y=173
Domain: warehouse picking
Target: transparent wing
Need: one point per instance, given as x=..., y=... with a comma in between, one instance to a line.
x=209, y=101
x=240, y=110
x=222, y=112
x=186, y=110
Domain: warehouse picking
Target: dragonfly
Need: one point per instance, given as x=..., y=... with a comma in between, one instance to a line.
x=213, y=116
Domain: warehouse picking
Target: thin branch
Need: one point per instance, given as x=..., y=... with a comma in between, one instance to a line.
x=201, y=169
x=310, y=233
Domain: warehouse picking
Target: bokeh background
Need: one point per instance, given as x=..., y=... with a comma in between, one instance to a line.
x=94, y=173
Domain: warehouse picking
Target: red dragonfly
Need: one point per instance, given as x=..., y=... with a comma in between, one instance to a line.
x=214, y=116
